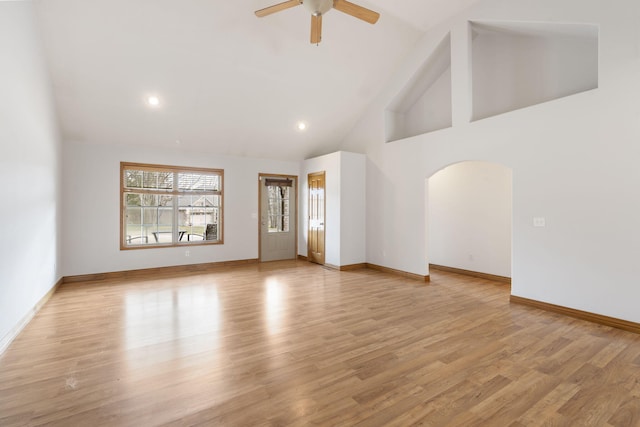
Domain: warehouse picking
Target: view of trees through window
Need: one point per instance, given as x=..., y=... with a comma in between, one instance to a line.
x=167, y=205
x=278, y=197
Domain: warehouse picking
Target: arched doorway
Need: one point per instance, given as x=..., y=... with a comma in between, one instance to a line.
x=469, y=218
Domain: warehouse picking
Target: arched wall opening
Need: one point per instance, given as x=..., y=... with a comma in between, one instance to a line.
x=469, y=218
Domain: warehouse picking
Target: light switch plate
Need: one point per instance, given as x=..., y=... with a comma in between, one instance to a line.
x=539, y=221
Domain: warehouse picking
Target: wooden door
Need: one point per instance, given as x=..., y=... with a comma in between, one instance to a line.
x=315, y=252
x=278, y=217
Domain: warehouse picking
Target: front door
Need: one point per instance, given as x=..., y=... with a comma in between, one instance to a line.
x=277, y=217
x=315, y=252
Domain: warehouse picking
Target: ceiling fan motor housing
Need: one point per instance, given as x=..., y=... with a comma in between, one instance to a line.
x=318, y=7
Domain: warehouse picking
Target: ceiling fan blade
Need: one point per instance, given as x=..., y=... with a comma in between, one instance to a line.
x=316, y=29
x=277, y=8
x=356, y=11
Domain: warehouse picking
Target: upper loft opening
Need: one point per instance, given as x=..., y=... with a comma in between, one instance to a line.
x=520, y=64
x=424, y=104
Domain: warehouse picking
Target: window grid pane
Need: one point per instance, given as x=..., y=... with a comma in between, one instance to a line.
x=198, y=182
x=278, y=209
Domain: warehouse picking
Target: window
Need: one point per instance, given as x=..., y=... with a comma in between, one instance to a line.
x=170, y=206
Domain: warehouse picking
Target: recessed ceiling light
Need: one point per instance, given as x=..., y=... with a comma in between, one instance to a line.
x=302, y=126
x=153, y=101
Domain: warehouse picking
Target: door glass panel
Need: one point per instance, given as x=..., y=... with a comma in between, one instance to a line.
x=278, y=208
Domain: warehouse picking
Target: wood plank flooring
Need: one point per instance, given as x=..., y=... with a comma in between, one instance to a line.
x=292, y=343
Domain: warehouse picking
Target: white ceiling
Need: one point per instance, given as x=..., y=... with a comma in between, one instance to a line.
x=229, y=82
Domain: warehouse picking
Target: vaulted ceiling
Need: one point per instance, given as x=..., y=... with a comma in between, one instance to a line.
x=228, y=82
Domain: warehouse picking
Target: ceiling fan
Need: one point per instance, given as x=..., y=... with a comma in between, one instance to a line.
x=319, y=8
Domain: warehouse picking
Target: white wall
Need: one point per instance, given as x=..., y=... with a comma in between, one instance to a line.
x=469, y=217
x=574, y=162
x=521, y=65
x=92, y=217
x=345, y=217
x=29, y=171
x=424, y=104
x=353, y=175
x=432, y=111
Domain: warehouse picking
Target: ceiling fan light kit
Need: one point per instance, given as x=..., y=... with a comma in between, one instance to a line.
x=317, y=8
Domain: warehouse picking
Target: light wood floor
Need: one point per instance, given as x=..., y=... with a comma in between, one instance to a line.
x=291, y=343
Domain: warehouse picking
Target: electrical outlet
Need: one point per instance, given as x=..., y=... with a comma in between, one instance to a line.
x=539, y=221
x=187, y=253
